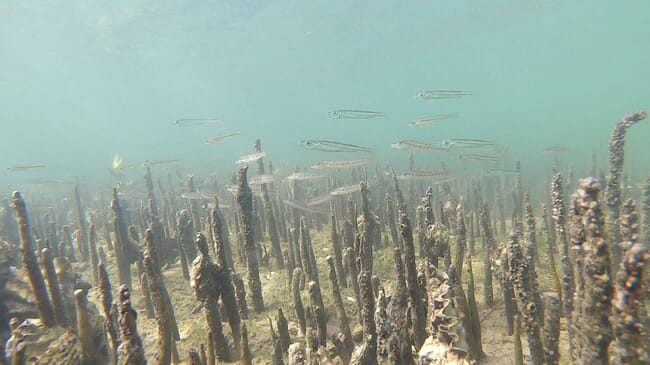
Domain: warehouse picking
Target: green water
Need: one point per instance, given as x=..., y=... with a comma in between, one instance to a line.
x=83, y=80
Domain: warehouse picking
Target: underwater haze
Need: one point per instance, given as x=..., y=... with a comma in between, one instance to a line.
x=82, y=81
x=342, y=168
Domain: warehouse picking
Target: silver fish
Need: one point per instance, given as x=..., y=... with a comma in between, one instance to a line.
x=299, y=176
x=301, y=206
x=331, y=146
x=412, y=145
x=209, y=195
x=250, y=158
x=474, y=157
x=49, y=182
x=25, y=167
x=192, y=195
x=339, y=164
x=499, y=172
x=319, y=200
x=221, y=206
x=433, y=119
x=441, y=94
x=354, y=114
x=221, y=138
x=469, y=143
x=345, y=190
x=197, y=122
x=160, y=162
x=128, y=166
x=261, y=179
x=426, y=175
x=555, y=149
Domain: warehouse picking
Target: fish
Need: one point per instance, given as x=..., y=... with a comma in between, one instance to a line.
x=221, y=138
x=192, y=195
x=301, y=206
x=355, y=114
x=499, y=172
x=210, y=195
x=129, y=166
x=319, y=200
x=332, y=146
x=25, y=167
x=473, y=157
x=339, y=164
x=432, y=119
x=221, y=206
x=195, y=195
x=345, y=190
x=299, y=176
x=261, y=179
x=555, y=149
x=48, y=182
x=117, y=162
x=250, y=158
x=425, y=175
x=441, y=94
x=197, y=122
x=468, y=143
x=412, y=145
x=160, y=162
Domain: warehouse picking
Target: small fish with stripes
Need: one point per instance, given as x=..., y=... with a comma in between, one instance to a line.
x=441, y=94
x=433, y=119
x=301, y=206
x=416, y=146
x=499, y=172
x=319, y=200
x=345, y=190
x=250, y=158
x=331, y=146
x=197, y=122
x=468, y=143
x=355, y=114
x=339, y=164
x=425, y=175
x=301, y=176
x=160, y=162
x=475, y=157
x=221, y=138
x=15, y=168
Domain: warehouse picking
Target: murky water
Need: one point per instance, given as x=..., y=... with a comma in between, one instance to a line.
x=81, y=81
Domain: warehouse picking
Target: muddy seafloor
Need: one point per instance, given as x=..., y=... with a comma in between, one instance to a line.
x=497, y=346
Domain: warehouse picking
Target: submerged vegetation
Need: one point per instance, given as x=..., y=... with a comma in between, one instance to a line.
x=403, y=275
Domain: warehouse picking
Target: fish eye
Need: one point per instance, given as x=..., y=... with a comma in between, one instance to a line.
x=334, y=114
x=531, y=307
